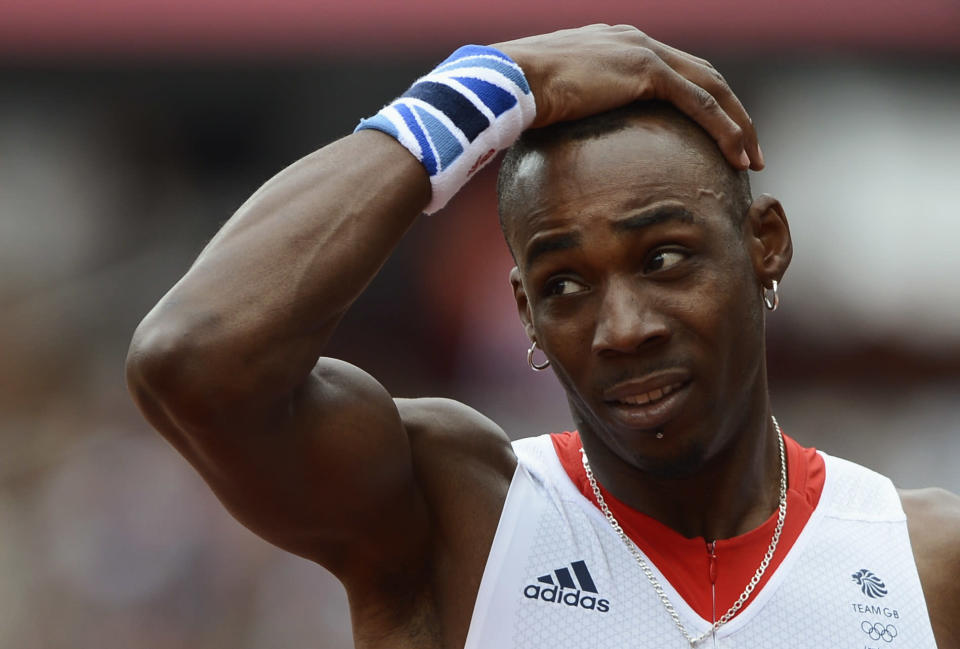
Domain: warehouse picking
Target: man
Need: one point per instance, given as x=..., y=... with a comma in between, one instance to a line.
x=643, y=265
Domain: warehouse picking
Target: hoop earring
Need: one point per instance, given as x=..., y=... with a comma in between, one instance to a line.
x=533, y=366
x=767, y=302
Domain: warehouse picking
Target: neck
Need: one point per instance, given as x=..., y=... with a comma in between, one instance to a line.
x=730, y=486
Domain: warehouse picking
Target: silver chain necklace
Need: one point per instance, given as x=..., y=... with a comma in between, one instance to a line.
x=635, y=551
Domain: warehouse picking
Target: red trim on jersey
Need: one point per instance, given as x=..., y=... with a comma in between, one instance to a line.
x=686, y=562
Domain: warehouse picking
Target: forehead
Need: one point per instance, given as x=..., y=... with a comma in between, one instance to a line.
x=606, y=177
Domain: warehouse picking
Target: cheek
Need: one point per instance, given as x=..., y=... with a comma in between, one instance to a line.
x=722, y=312
x=571, y=366
x=566, y=340
x=738, y=327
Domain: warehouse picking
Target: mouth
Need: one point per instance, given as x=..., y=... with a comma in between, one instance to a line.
x=651, y=402
x=648, y=397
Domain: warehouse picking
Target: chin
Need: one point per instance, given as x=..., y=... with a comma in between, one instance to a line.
x=678, y=453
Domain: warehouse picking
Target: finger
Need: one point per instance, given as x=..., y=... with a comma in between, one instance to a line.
x=703, y=108
x=713, y=82
x=704, y=75
x=693, y=58
x=660, y=48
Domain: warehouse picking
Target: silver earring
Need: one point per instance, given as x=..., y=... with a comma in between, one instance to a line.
x=767, y=302
x=533, y=366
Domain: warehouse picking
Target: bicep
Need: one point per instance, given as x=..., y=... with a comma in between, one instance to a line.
x=324, y=474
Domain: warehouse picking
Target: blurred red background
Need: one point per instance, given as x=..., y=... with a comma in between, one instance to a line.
x=129, y=131
x=61, y=27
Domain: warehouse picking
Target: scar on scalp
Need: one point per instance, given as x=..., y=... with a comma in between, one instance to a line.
x=701, y=191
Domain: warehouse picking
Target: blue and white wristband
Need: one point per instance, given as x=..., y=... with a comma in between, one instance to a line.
x=455, y=119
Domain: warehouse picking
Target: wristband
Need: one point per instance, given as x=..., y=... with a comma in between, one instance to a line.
x=454, y=119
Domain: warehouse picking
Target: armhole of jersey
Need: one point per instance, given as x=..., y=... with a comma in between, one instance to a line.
x=538, y=469
x=520, y=497
x=859, y=493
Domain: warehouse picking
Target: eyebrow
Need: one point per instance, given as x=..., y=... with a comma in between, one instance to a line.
x=660, y=214
x=551, y=243
x=567, y=240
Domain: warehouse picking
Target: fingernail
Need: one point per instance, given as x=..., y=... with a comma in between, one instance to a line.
x=763, y=162
x=744, y=160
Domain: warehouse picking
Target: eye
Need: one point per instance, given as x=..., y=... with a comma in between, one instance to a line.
x=664, y=259
x=563, y=286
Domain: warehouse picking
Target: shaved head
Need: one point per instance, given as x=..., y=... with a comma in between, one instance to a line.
x=537, y=145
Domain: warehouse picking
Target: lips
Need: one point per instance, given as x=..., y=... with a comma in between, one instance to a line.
x=653, y=395
x=649, y=401
x=648, y=387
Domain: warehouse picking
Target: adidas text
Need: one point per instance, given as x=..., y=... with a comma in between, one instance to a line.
x=556, y=594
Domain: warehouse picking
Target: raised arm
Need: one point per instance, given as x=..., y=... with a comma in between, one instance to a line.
x=226, y=364
x=310, y=452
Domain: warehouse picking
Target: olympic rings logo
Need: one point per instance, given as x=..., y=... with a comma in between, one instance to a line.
x=877, y=631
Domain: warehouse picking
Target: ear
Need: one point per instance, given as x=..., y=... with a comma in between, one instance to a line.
x=768, y=237
x=523, y=304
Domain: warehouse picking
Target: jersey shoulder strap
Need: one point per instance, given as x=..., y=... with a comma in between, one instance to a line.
x=861, y=494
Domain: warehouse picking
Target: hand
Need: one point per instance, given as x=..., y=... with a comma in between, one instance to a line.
x=574, y=73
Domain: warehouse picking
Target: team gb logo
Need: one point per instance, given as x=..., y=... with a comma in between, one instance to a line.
x=871, y=585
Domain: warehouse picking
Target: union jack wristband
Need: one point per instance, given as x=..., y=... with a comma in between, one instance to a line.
x=456, y=118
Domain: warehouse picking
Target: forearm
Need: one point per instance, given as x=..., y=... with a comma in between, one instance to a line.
x=252, y=315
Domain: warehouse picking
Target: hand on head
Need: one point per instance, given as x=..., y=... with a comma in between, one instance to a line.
x=579, y=72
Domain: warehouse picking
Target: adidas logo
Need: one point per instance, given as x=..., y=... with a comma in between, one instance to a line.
x=561, y=587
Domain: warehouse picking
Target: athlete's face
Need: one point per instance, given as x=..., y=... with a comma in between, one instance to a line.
x=644, y=293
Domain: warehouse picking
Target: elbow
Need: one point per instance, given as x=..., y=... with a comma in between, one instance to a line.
x=152, y=358
x=163, y=371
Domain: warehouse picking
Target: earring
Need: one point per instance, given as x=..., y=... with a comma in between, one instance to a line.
x=533, y=366
x=767, y=302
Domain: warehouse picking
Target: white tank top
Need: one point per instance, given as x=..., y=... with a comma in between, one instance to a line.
x=558, y=576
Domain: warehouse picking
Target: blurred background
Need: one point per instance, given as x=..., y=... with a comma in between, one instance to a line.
x=129, y=131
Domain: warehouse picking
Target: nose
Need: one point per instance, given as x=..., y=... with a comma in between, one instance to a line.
x=628, y=320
